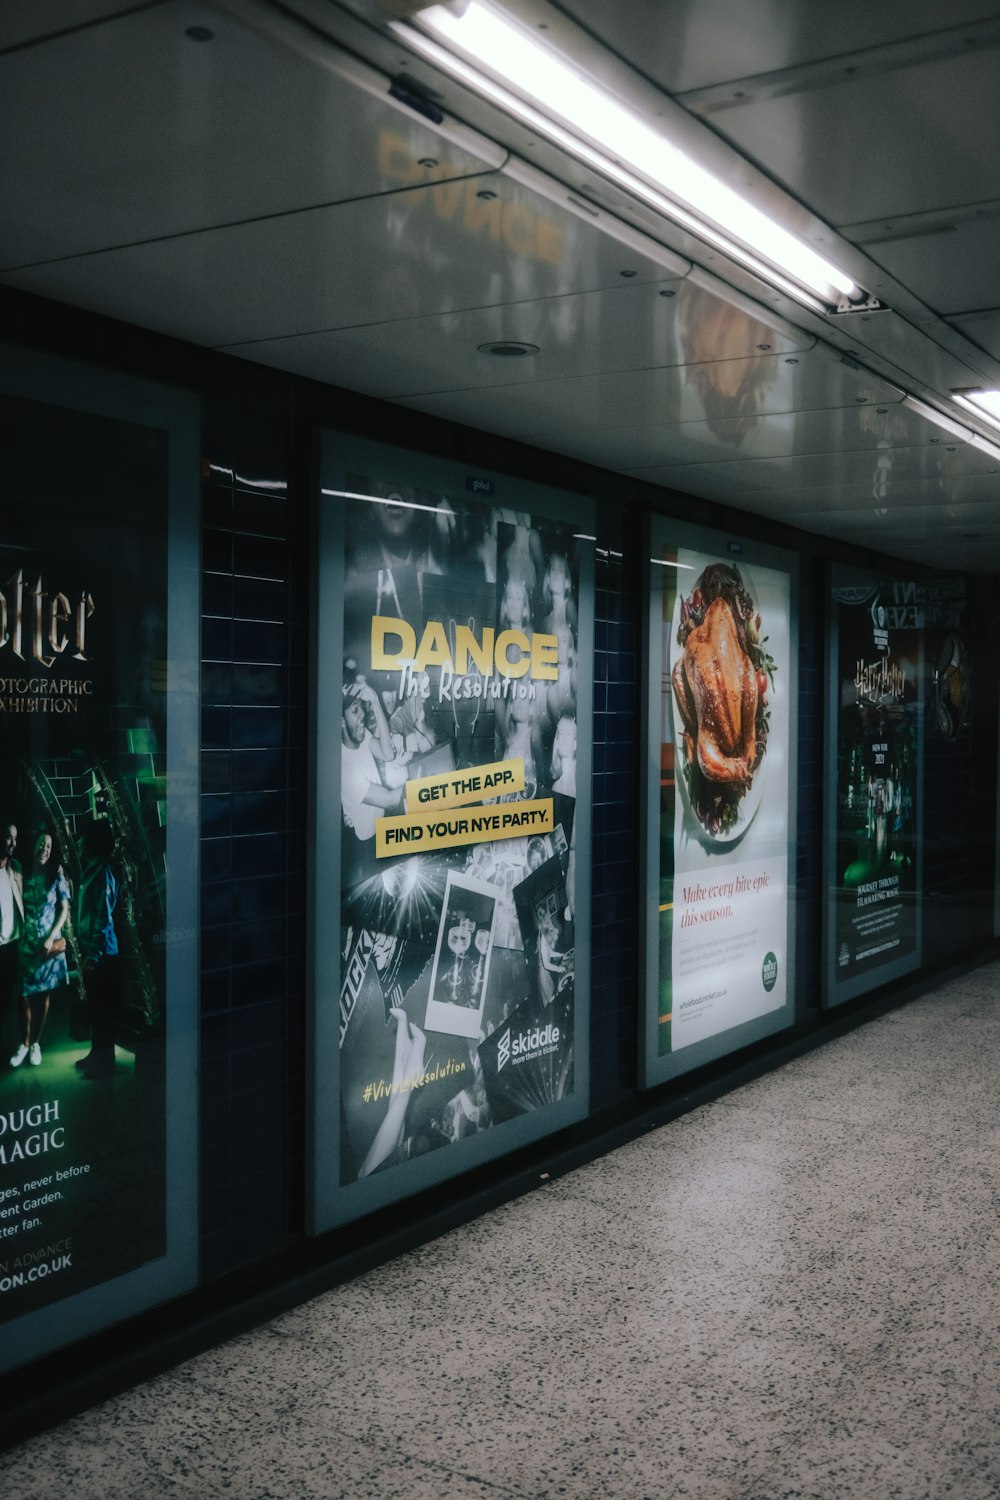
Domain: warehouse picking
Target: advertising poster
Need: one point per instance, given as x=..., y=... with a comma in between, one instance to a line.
x=98, y=676
x=721, y=734
x=874, y=781
x=452, y=773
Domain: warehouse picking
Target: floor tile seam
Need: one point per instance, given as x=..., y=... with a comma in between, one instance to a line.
x=437, y=1467
x=583, y=1186
x=701, y=1220
x=84, y=1432
x=206, y=1485
x=770, y=1481
x=739, y=1149
x=873, y=1124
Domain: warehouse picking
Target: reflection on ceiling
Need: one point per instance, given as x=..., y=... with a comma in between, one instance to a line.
x=238, y=174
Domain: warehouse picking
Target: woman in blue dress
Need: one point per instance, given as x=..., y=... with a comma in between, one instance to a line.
x=43, y=966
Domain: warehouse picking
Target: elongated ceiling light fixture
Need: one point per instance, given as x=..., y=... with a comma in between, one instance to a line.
x=543, y=89
x=985, y=404
x=953, y=429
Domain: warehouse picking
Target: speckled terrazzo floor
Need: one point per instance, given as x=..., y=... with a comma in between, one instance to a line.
x=792, y=1294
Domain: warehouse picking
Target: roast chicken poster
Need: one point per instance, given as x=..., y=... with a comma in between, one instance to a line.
x=724, y=732
x=454, y=982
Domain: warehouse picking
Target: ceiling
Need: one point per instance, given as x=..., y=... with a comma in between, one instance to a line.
x=237, y=174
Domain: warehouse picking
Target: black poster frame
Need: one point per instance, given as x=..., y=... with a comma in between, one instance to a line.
x=336, y=1194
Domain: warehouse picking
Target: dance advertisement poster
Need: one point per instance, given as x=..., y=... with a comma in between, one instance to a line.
x=451, y=781
x=874, y=777
x=98, y=788
x=720, y=796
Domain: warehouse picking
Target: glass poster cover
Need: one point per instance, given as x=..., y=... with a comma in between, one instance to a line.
x=874, y=780
x=720, y=777
x=98, y=791
x=452, y=796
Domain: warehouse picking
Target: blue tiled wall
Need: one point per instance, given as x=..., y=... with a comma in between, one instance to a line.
x=616, y=792
x=253, y=839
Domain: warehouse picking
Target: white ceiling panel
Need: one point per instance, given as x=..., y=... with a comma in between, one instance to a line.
x=28, y=21
x=931, y=499
x=696, y=43
x=437, y=249
x=910, y=348
x=553, y=412
x=904, y=142
x=132, y=130
x=627, y=327
x=983, y=328
x=916, y=525
x=940, y=540
x=841, y=430
x=953, y=270
x=870, y=475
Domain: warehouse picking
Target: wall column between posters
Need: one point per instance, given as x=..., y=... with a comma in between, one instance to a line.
x=721, y=736
x=451, y=753
x=99, y=655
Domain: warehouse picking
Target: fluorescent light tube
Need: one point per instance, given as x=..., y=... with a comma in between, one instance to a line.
x=545, y=90
x=938, y=418
x=984, y=404
x=951, y=427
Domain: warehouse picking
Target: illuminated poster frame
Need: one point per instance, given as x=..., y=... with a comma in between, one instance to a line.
x=874, y=778
x=719, y=853
x=99, y=757
x=451, y=769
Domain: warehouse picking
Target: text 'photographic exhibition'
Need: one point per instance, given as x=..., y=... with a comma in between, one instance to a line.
x=451, y=778
x=98, y=770
x=874, y=780
x=720, y=796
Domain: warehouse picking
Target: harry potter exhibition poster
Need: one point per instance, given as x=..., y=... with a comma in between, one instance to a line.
x=85, y=1003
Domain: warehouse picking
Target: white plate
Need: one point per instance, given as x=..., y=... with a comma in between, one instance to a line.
x=749, y=803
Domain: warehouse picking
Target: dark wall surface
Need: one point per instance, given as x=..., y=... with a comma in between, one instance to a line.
x=258, y=433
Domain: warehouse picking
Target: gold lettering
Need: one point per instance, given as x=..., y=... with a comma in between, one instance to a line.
x=38, y=641
x=395, y=648
x=84, y=610
x=59, y=614
x=391, y=661
x=520, y=642
x=434, y=649
x=466, y=645
x=545, y=657
x=395, y=159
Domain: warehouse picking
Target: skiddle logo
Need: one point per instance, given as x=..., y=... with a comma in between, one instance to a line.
x=527, y=1045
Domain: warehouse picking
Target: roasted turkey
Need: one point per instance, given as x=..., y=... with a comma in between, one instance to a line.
x=715, y=685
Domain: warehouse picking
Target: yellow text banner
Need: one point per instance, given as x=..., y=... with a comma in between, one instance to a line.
x=473, y=825
x=458, y=788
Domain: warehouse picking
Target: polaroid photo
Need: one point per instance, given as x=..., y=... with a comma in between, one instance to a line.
x=461, y=967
